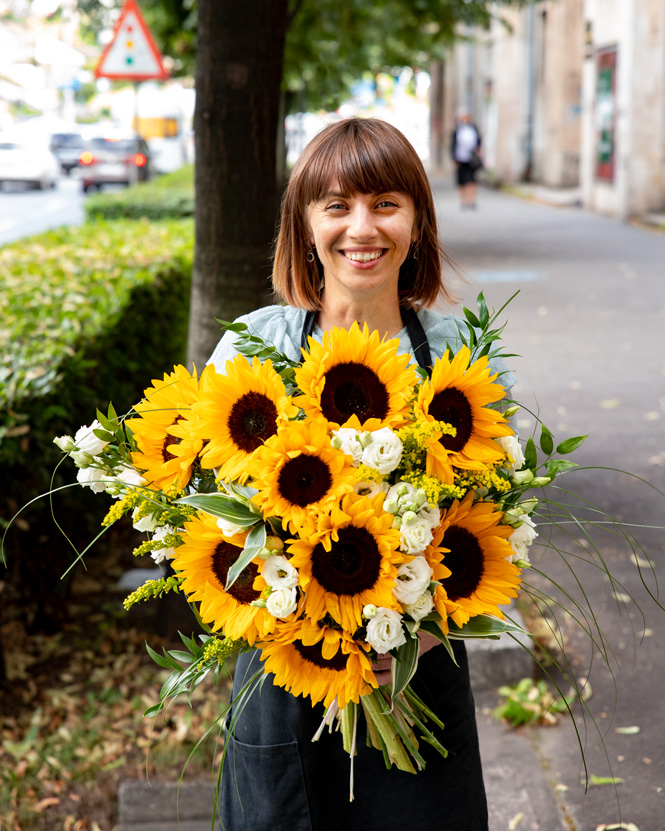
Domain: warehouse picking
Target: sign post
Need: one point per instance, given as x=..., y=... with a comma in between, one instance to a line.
x=132, y=55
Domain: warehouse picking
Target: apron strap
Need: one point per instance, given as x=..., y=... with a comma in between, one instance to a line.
x=414, y=327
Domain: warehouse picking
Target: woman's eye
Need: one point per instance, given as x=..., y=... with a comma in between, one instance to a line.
x=335, y=206
x=387, y=203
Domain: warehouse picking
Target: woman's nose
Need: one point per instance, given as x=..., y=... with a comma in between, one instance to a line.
x=361, y=223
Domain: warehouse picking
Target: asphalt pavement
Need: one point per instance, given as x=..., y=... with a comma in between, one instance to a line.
x=588, y=326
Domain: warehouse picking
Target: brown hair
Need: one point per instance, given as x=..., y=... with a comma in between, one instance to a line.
x=361, y=155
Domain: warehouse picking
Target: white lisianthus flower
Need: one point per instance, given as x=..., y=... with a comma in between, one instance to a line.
x=279, y=573
x=65, y=443
x=81, y=458
x=384, y=452
x=430, y=514
x=229, y=529
x=415, y=535
x=86, y=440
x=93, y=478
x=146, y=523
x=412, y=580
x=282, y=602
x=367, y=488
x=522, y=537
x=128, y=476
x=511, y=446
x=161, y=554
x=422, y=607
x=349, y=443
x=400, y=491
x=384, y=630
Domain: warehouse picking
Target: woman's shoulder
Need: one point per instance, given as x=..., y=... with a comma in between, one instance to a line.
x=446, y=331
x=278, y=326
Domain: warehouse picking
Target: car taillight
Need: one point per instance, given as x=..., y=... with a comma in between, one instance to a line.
x=86, y=157
x=140, y=160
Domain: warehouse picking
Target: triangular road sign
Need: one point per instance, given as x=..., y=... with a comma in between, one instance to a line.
x=132, y=54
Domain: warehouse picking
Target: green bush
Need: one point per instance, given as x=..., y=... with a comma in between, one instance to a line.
x=167, y=196
x=89, y=315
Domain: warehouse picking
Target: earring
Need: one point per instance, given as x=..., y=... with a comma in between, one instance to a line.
x=415, y=251
x=310, y=256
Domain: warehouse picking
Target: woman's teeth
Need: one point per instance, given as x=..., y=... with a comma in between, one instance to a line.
x=362, y=256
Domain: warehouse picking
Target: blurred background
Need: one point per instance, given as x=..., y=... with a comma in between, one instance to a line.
x=135, y=210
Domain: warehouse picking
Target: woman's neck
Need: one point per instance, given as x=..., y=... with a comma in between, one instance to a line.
x=383, y=317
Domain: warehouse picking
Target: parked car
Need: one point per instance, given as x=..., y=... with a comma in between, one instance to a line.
x=28, y=161
x=114, y=160
x=67, y=148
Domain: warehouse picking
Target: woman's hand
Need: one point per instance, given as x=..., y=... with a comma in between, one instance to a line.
x=381, y=666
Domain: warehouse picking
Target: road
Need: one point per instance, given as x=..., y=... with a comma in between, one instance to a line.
x=25, y=212
x=588, y=324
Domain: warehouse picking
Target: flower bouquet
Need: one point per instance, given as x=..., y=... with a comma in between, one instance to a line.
x=328, y=511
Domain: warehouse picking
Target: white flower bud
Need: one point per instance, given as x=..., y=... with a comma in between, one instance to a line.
x=65, y=443
x=540, y=481
x=509, y=412
x=522, y=538
x=521, y=477
x=369, y=611
x=397, y=521
x=275, y=543
x=408, y=517
x=261, y=603
x=228, y=528
x=81, y=458
x=390, y=506
x=146, y=523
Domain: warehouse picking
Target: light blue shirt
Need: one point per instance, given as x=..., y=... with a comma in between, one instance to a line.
x=281, y=327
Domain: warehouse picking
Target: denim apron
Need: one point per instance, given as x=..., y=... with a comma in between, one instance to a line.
x=276, y=779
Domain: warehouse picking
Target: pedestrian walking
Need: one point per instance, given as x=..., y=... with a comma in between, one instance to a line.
x=465, y=147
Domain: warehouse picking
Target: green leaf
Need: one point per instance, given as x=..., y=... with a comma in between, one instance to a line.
x=182, y=657
x=161, y=660
x=484, y=626
x=555, y=466
x=473, y=320
x=530, y=454
x=546, y=441
x=221, y=506
x=255, y=541
x=569, y=445
x=483, y=314
x=433, y=628
x=405, y=664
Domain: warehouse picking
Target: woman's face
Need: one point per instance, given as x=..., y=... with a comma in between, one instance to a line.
x=362, y=240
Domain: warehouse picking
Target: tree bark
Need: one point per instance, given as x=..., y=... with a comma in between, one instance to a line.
x=240, y=53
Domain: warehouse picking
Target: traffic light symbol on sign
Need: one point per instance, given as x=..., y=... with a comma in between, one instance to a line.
x=132, y=53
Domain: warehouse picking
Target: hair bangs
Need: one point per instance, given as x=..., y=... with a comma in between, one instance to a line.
x=355, y=162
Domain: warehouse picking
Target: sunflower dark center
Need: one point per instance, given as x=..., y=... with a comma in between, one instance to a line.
x=253, y=419
x=452, y=406
x=351, y=566
x=313, y=655
x=169, y=440
x=465, y=560
x=222, y=559
x=304, y=480
x=353, y=389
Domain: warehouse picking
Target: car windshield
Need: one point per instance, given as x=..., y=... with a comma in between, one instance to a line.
x=111, y=145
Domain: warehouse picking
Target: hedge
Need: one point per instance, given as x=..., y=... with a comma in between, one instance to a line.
x=167, y=196
x=89, y=315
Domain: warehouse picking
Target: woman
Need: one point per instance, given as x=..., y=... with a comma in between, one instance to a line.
x=358, y=242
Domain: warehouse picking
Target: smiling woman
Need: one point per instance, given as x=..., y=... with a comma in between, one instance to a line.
x=357, y=258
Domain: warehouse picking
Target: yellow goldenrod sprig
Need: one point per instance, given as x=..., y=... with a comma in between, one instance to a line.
x=122, y=506
x=219, y=649
x=168, y=541
x=151, y=589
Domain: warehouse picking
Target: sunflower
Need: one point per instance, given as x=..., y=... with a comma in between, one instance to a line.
x=320, y=662
x=476, y=549
x=351, y=562
x=237, y=412
x=356, y=379
x=167, y=449
x=457, y=394
x=298, y=472
x=203, y=561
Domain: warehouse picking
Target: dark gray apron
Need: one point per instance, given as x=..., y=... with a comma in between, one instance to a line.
x=276, y=779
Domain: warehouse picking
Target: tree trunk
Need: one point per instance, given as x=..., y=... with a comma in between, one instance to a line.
x=240, y=53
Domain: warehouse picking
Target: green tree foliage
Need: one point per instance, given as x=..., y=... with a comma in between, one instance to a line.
x=330, y=44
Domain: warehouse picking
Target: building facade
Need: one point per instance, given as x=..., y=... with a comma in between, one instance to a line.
x=567, y=94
